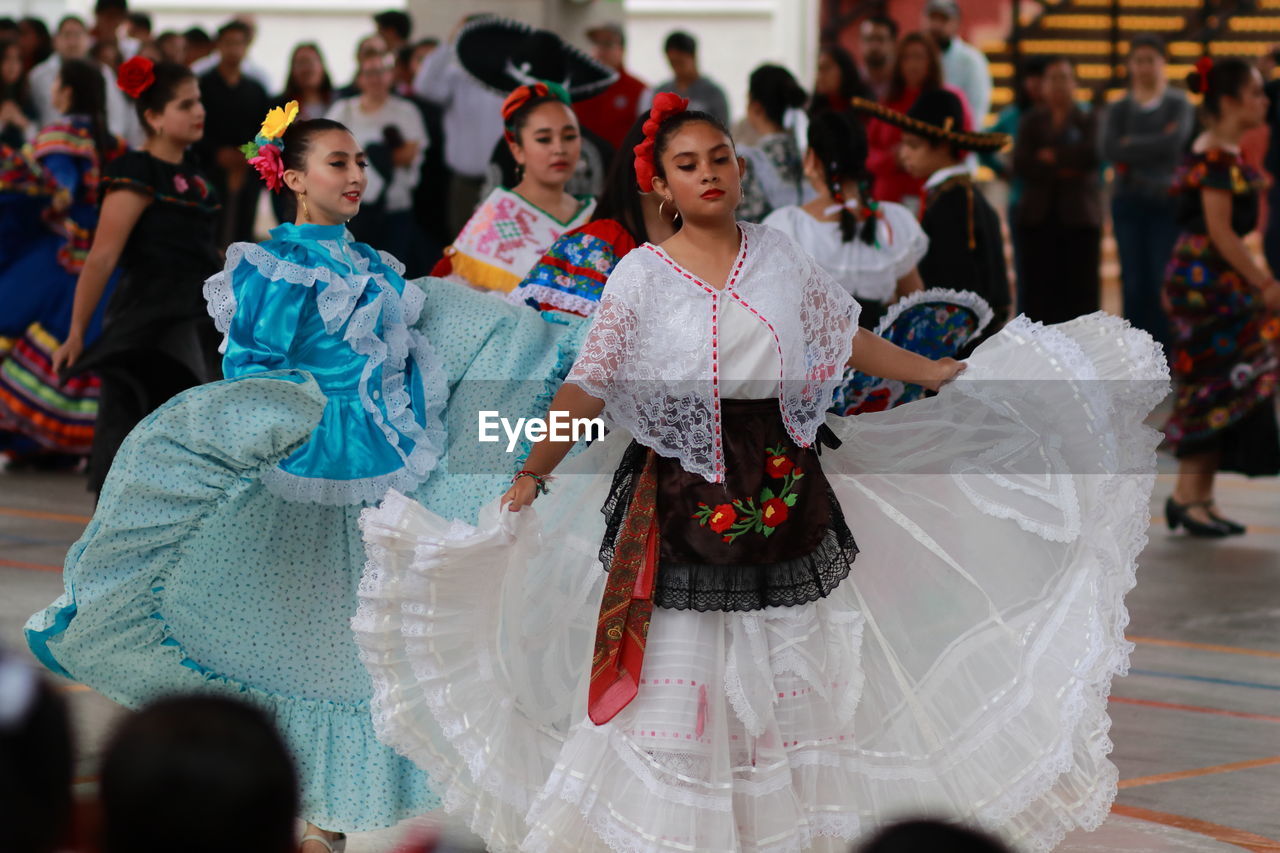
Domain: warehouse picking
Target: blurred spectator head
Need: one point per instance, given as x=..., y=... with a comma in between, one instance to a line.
x=876, y=39
x=233, y=42
x=917, y=66
x=1232, y=90
x=71, y=39
x=1146, y=60
x=1031, y=82
x=172, y=47
x=199, y=45
x=395, y=27
x=109, y=16
x=139, y=26
x=421, y=50
x=942, y=21
x=1059, y=83
x=12, y=71
x=375, y=77
x=608, y=44
x=81, y=90
x=35, y=41
x=106, y=52
x=9, y=30
x=405, y=69
x=838, y=153
x=682, y=55
x=187, y=756
x=308, y=76
x=171, y=105
x=914, y=836
x=838, y=78
x=36, y=760
x=771, y=91
x=371, y=46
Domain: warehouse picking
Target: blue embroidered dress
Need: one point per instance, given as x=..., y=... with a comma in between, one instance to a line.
x=225, y=552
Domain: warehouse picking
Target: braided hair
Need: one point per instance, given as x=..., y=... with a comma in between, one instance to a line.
x=840, y=144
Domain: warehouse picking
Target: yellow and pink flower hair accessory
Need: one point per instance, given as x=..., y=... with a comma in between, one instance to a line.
x=263, y=153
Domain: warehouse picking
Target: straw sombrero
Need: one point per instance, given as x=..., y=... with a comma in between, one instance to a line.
x=936, y=115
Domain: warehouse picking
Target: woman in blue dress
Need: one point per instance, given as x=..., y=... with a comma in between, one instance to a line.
x=225, y=553
x=49, y=194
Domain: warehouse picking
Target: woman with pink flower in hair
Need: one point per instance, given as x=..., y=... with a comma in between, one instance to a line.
x=156, y=225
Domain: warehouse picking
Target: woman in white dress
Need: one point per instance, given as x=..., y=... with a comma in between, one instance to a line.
x=870, y=248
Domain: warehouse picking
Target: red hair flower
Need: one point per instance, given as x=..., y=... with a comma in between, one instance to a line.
x=269, y=166
x=665, y=105
x=1203, y=66
x=136, y=76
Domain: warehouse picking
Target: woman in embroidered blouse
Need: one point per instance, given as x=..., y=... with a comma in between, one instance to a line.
x=156, y=224
x=1223, y=352
x=50, y=202
x=781, y=693
x=511, y=229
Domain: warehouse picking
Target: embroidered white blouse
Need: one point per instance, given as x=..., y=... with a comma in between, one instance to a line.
x=656, y=349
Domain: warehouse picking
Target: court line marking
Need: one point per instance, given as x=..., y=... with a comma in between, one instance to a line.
x=44, y=516
x=1205, y=679
x=1195, y=709
x=1204, y=647
x=1226, y=834
x=1139, y=781
x=39, y=567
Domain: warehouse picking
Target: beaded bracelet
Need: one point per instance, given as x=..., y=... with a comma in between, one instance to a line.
x=539, y=480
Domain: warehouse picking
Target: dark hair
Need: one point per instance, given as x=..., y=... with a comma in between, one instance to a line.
x=1227, y=78
x=197, y=36
x=291, y=89
x=681, y=42
x=141, y=19
x=851, y=83
x=234, y=26
x=70, y=19
x=16, y=91
x=297, y=145
x=776, y=91
x=911, y=836
x=398, y=22
x=8, y=25
x=88, y=98
x=110, y=6
x=1148, y=40
x=668, y=129
x=169, y=75
x=191, y=755
x=840, y=144
x=1031, y=66
x=884, y=21
x=933, y=77
x=621, y=200
x=99, y=53
x=45, y=40
x=36, y=766
x=517, y=120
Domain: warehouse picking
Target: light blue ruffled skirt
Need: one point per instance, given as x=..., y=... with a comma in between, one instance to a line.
x=192, y=576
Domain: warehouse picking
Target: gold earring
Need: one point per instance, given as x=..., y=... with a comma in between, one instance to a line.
x=663, y=204
x=306, y=214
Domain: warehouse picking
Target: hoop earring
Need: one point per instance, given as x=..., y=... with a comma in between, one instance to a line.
x=663, y=204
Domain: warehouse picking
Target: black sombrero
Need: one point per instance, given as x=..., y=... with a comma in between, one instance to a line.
x=937, y=115
x=503, y=54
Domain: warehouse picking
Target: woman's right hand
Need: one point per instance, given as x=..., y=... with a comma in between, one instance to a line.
x=68, y=354
x=521, y=494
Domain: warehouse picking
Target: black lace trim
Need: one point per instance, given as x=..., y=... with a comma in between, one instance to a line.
x=728, y=586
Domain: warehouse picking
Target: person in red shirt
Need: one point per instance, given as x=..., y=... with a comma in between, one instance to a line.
x=611, y=113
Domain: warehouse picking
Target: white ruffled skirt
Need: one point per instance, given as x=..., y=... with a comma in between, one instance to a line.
x=962, y=669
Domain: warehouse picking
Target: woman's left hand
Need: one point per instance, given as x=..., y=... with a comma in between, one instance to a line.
x=944, y=370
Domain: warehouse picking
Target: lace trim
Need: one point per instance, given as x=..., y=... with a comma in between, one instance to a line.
x=544, y=295
x=967, y=298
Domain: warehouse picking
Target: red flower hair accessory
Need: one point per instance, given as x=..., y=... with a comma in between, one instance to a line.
x=136, y=76
x=665, y=105
x=1203, y=66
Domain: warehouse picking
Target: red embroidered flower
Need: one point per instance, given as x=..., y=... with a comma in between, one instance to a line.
x=773, y=512
x=201, y=186
x=180, y=184
x=778, y=467
x=136, y=76
x=722, y=518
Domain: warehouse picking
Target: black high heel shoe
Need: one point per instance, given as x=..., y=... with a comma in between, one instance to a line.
x=1176, y=514
x=1233, y=528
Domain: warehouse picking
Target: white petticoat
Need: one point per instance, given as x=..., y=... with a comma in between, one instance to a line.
x=962, y=669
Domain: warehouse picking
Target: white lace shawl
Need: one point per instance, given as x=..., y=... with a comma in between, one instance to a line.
x=652, y=352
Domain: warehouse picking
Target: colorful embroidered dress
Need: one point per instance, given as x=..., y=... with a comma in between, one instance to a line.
x=503, y=239
x=712, y=679
x=225, y=552
x=48, y=211
x=571, y=275
x=1223, y=354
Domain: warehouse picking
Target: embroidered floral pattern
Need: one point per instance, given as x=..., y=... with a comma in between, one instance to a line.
x=745, y=516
